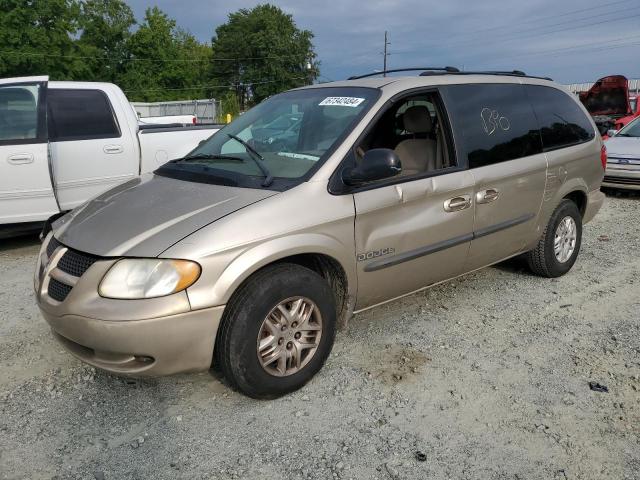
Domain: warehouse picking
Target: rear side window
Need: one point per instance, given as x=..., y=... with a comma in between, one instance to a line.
x=562, y=121
x=80, y=115
x=492, y=123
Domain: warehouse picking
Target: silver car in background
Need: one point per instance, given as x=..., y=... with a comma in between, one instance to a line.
x=623, y=158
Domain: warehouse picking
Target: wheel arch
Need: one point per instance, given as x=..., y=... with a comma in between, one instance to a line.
x=579, y=197
x=322, y=254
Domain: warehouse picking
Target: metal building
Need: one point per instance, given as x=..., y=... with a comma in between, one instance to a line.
x=206, y=110
x=634, y=86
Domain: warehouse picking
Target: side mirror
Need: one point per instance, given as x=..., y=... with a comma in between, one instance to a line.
x=377, y=164
x=611, y=133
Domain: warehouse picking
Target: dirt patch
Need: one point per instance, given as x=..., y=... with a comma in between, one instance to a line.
x=392, y=364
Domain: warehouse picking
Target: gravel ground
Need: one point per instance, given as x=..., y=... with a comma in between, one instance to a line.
x=485, y=377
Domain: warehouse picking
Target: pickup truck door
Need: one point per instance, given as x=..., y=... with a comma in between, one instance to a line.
x=26, y=190
x=92, y=148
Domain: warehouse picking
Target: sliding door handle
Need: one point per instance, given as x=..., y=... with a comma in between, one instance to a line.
x=456, y=204
x=487, y=196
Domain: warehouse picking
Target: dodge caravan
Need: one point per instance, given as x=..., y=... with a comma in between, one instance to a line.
x=248, y=252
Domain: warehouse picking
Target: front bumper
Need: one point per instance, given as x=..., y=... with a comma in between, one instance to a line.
x=627, y=178
x=150, y=347
x=148, y=337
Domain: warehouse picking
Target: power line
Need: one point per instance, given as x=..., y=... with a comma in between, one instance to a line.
x=613, y=42
x=593, y=50
x=137, y=59
x=569, y=22
x=520, y=36
x=507, y=36
x=534, y=20
x=202, y=87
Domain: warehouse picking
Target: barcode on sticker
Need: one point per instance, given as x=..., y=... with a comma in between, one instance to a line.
x=342, y=101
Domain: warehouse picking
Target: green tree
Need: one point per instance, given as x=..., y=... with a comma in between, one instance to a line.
x=106, y=28
x=37, y=38
x=261, y=51
x=164, y=62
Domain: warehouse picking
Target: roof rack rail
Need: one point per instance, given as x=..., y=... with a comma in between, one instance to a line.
x=395, y=70
x=511, y=73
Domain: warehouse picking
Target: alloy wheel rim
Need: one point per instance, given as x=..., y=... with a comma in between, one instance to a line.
x=564, y=243
x=289, y=336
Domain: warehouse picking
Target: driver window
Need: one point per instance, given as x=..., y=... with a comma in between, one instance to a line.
x=19, y=112
x=414, y=128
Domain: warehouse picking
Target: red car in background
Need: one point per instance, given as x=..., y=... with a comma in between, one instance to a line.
x=635, y=112
x=609, y=103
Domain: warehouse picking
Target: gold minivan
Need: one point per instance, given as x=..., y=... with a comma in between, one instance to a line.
x=319, y=203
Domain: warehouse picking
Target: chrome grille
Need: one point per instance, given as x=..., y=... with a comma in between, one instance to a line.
x=622, y=180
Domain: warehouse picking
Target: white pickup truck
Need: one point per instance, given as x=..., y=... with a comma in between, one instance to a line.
x=62, y=143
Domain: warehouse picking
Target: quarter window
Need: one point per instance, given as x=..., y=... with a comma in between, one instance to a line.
x=493, y=122
x=562, y=121
x=80, y=115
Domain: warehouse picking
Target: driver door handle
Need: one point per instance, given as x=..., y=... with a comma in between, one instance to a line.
x=458, y=203
x=20, y=158
x=112, y=149
x=487, y=196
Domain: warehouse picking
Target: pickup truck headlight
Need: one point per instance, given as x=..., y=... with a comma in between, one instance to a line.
x=148, y=278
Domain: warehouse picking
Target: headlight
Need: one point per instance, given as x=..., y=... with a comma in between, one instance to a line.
x=148, y=278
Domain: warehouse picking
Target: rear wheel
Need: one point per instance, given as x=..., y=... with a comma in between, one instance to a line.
x=277, y=331
x=558, y=248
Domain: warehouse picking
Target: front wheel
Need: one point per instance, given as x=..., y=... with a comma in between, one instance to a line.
x=558, y=248
x=277, y=331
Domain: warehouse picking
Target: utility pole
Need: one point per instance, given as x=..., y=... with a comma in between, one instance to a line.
x=384, y=64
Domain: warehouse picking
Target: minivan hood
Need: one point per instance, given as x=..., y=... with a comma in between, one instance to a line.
x=608, y=96
x=145, y=216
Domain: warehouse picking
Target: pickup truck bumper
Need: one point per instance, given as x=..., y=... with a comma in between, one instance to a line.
x=151, y=347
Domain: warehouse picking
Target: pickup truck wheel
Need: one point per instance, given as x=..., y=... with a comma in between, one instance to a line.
x=558, y=248
x=277, y=331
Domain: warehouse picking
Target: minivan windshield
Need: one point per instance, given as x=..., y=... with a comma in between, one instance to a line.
x=278, y=143
x=632, y=129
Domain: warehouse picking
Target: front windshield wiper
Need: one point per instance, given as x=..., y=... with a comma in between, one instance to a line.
x=209, y=156
x=624, y=135
x=256, y=157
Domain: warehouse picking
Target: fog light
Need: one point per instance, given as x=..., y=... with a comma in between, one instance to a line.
x=143, y=359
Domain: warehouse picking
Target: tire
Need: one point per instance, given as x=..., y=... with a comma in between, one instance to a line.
x=543, y=260
x=244, y=322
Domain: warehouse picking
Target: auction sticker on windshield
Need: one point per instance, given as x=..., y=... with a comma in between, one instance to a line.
x=342, y=101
